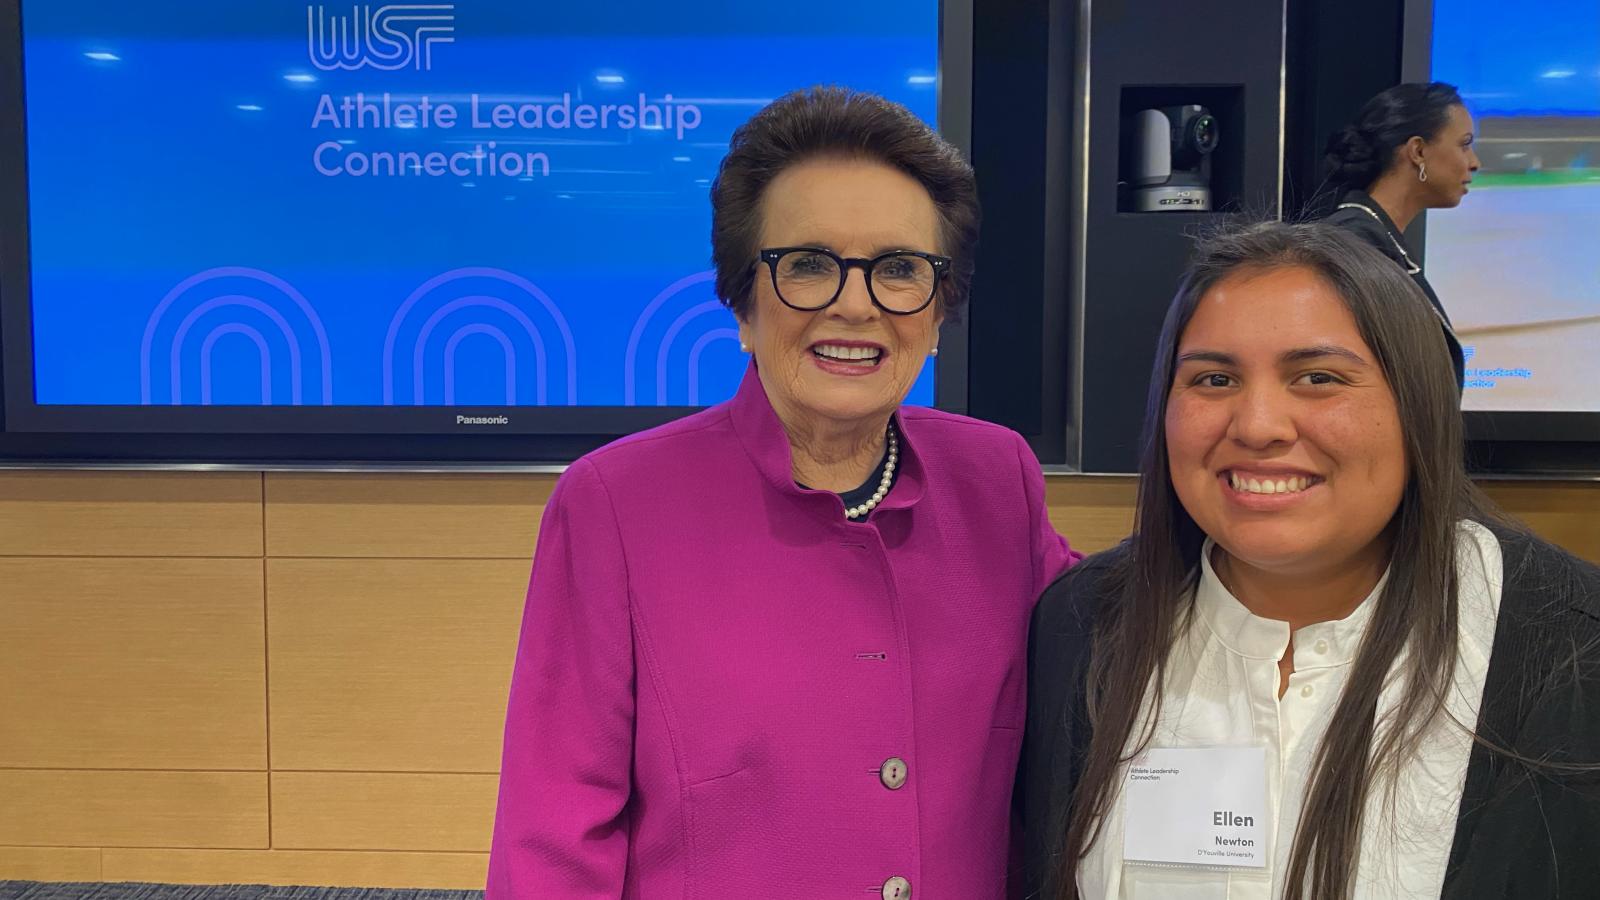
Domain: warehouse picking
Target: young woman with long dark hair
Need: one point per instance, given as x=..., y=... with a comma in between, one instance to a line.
x=1322, y=666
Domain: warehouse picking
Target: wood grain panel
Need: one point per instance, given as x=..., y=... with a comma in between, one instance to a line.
x=130, y=513
x=444, y=871
x=1094, y=512
x=367, y=811
x=1563, y=512
x=392, y=665
x=49, y=864
x=130, y=663
x=479, y=516
x=133, y=809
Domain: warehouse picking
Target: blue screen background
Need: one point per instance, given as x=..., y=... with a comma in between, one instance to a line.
x=1520, y=59
x=1514, y=263
x=185, y=249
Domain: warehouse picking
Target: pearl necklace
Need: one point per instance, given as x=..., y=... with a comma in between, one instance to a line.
x=856, y=512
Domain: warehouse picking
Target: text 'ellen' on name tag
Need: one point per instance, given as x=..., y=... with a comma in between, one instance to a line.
x=1203, y=806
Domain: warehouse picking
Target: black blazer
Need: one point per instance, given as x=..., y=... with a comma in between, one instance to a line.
x=1522, y=831
x=1361, y=215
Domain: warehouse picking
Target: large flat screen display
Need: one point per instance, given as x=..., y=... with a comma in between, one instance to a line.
x=478, y=204
x=1517, y=264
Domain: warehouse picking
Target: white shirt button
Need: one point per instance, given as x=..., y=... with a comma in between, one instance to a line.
x=1305, y=691
x=893, y=773
x=1322, y=647
x=897, y=888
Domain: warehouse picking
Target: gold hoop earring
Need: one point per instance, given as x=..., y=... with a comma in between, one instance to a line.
x=1422, y=171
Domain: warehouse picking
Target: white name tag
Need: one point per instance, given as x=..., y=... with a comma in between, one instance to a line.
x=1197, y=807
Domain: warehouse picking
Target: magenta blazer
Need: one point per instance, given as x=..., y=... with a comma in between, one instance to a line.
x=725, y=689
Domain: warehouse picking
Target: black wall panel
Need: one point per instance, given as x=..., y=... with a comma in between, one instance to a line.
x=1130, y=263
x=1021, y=127
x=1340, y=54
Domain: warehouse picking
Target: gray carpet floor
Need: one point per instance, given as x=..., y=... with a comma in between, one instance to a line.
x=35, y=890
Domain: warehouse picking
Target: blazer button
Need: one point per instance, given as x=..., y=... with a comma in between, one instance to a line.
x=893, y=773
x=897, y=888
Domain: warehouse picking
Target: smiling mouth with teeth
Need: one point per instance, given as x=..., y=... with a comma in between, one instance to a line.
x=1271, y=485
x=863, y=356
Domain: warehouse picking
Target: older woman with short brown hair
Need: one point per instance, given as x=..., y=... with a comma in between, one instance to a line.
x=776, y=647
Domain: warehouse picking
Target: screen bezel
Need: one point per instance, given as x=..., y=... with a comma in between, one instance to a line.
x=340, y=434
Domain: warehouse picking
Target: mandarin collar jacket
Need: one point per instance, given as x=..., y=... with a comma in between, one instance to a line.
x=724, y=687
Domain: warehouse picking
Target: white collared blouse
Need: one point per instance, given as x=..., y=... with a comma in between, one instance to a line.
x=1222, y=689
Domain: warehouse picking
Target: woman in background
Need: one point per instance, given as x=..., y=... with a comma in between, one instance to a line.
x=1408, y=150
x=775, y=648
x=1318, y=606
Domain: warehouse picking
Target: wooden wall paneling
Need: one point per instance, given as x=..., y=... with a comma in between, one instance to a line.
x=392, y=665
x=49, y=864
x=132, y=663
x=1093, y=512
x=446, y=871
x=382, y=811
x=477, y=516
x=130, y=513
x=77, y=808
x=389, y=638
x=1566, y=513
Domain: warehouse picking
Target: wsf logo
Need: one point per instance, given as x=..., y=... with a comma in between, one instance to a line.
x=389, y=37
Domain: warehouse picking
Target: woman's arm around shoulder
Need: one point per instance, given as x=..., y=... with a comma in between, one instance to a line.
x=561, y=829
x=1057, y=730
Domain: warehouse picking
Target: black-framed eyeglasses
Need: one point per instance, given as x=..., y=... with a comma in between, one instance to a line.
x=900, y=282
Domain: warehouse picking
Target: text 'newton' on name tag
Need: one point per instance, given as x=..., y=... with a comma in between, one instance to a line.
x=1203, y=806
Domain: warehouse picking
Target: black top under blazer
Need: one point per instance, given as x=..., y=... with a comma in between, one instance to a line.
x=1376, y=228
x=1522, y=831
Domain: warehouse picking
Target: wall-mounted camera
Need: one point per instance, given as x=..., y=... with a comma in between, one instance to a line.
x=1167, y=162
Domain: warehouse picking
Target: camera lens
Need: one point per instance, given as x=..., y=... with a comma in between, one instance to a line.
x=1203, y=134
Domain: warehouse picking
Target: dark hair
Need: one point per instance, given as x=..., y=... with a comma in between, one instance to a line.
x=825, y=121
x=1152, y=583
x=1360, y=152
